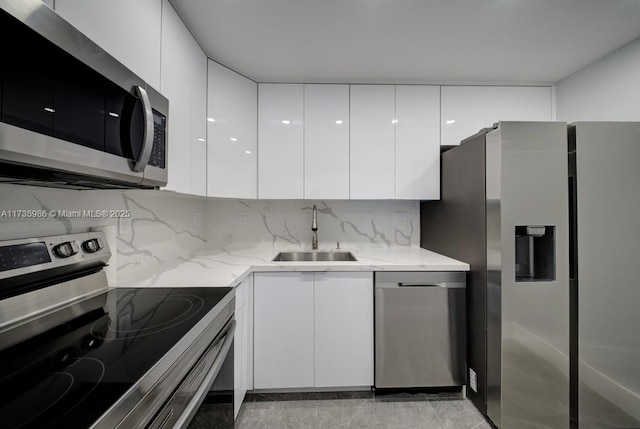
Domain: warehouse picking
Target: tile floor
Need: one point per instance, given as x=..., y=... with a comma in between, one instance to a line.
x=363, y=410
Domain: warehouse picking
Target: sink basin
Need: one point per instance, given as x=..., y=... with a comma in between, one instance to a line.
x=314, y=257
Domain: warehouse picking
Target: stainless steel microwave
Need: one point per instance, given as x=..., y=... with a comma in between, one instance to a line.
x=71, y=115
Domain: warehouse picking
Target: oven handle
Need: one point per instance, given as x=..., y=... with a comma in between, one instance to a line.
x=147, y=136
x=191, y=409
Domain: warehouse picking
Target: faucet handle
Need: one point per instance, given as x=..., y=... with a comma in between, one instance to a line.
x=314, y=222
x=338, y=245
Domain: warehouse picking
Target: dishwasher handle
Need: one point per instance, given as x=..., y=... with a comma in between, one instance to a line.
x=442, y=285
x=446, y=285
x=425, y=279
x=421, y=284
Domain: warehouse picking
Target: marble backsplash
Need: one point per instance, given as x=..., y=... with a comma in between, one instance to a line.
x=165, y=225
x=242, y=224
x=168, y=226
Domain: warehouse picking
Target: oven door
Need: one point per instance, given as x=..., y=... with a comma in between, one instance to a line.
x=214, y=370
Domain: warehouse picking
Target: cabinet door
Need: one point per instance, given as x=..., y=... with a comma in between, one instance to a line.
x=232, y=139
x=372, y=137
x=243, y=342
x=326, y=141
x=128, y=30
x=239, y=351
x=465, y=110
x=343, y=307
x=280, y=141
x=417, y=142
x=248, y=343
x=283, y=329
x=523, y=103
x=184, y=80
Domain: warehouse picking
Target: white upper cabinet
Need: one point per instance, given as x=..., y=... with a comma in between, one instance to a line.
x=465, y=110
x=232, y=134
x=280, y=141
x=326, y=142
x=468, y=109
x=184, y=83
x=128, y=30
x=417, y=166
x=372, y=138
x=523, y=103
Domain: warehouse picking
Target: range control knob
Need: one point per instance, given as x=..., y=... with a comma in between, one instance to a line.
x=92, y=245
x=66, y=249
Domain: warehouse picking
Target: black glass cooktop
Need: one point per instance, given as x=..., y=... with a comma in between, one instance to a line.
x=70, y=375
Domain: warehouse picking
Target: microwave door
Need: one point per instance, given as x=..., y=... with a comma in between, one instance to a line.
x=124, y=119
x=27, y=79
x=155, y=172
x=79, y=101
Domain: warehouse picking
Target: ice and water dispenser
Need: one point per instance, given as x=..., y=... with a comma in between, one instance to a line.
x=535, y=253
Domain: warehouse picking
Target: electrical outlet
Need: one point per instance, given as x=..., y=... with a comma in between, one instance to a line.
x=400, y=219
x=270, y=211
x=473, y=380
x=242, y=218
x=196, y=219
x=124, y=226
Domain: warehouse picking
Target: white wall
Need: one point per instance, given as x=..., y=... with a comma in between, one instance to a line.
x=606, y=90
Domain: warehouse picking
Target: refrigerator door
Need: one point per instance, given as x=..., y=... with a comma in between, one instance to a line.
x=607, y=172
x=527, y=305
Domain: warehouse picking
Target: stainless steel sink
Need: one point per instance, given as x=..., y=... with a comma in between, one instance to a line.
x=314, y=257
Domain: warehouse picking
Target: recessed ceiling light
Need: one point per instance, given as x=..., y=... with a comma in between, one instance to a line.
x=201, y=140
x=395, y=121
x=248, y=152
x=450, y=121
x=286, y=121
x=233, y=139
x=339, y=122
x=114, y=114
x=49, y=109
x=211, y=120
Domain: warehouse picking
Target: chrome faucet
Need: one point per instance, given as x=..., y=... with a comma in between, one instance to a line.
x=314, y=229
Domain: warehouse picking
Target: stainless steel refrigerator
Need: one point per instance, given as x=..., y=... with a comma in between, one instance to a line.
x=604, y=168
x=504, y=210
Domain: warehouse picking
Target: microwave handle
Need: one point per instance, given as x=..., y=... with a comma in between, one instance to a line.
x=147, y=135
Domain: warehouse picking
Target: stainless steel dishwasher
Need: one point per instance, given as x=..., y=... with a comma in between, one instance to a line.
x=420, y=329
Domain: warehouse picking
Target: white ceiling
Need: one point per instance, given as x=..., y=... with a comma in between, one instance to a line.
x=410, y=41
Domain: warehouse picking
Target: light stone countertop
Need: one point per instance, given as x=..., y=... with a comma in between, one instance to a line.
x=222, y=268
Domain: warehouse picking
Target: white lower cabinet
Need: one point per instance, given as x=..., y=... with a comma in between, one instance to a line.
x=243, y=343
x=238, y=354
x=283, y=330
x=343, y=331
x=313, y=330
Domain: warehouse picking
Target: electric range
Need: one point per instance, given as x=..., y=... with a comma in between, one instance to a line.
x=76, y=354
